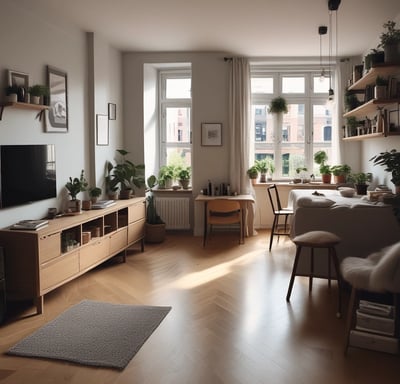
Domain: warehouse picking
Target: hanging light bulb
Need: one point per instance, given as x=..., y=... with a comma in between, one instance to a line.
x=333, y=5
x=322, y=29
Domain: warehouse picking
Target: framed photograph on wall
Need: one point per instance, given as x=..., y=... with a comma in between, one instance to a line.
x=58, y=103
x=101, y=129
x=211, y=134
x=112, y=111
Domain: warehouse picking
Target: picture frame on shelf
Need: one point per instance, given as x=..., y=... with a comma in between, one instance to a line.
x=211, y=134
x=58, y=100
x=112, y=111
x=102, y=134
x=18, y=79
x=394, y=121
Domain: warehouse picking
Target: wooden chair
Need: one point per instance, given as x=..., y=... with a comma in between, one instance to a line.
x=223, y=212
x=278, y=212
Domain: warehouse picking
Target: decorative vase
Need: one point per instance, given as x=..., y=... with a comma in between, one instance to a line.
x=125, y=194
x=86, y=205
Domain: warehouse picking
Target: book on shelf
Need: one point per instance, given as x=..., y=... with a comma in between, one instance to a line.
x=30, y=224
x=103, y=204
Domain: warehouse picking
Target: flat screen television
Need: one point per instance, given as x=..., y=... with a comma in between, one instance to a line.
x=28, y=174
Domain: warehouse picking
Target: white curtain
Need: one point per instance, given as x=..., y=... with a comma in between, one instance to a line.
x=239, y=123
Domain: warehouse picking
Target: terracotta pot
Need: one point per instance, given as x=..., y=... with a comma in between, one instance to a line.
x=340, y=179
x=326, y=179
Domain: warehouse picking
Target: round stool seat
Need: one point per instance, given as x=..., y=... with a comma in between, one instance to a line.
x=317, y=239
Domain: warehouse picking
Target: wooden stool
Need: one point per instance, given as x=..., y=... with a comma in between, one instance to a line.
x=317, y=239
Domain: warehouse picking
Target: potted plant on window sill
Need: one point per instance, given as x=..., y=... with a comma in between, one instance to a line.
x=166, y=176
x=252, y=172
x=184, y=174
x=320, y=158
x=340, y=173
x=155, y=226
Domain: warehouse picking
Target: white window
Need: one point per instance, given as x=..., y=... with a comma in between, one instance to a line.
x=292, y=139
x=175, y=117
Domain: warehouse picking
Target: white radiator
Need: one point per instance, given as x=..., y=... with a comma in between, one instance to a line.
x=174, y=211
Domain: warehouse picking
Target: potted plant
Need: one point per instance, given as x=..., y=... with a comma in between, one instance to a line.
x=340, y=173
x=320, y=157
x=391, y=161
x=155, y=226
x=380, y=88
x=262, y=167
x=36, y=92
x=360, y=181
x=166, y=176
x=390, y=42
x=110, y=182
x=374, y=57
x=183, y=174
x=351, y=101
x=12, y=93
x=278, y=105
x=252, y=172
x=74, y=186
x=126, y=176
x=94, y=193
x=301, y=176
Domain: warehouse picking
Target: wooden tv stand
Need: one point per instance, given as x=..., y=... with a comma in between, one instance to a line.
x=39, y=261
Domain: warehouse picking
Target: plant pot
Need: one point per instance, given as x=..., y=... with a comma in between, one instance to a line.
x=263, y=178
x=154, y=233
x=392, y=53
x=75, y=205
x=12, y=98
x=35, y=99
x=361, y=189
x=86, y=205
x=125, y=194
x=326, y=179
x=340, y=179
x=184, y=184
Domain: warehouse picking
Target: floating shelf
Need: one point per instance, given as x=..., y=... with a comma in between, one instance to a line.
x=19, y=105
x=370, y=107
x=382, y=70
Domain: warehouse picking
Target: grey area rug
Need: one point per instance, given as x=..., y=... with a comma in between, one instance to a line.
x=94, y=333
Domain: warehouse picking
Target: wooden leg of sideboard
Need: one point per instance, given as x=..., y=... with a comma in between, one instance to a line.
x=39, y=301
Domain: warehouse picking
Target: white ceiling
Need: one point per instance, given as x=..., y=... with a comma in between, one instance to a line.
x=255, y=28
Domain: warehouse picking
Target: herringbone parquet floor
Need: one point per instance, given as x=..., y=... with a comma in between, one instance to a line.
x=229, y=322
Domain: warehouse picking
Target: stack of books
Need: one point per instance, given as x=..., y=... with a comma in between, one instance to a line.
x=375, y=327
x=103, y=204
x=30, y=224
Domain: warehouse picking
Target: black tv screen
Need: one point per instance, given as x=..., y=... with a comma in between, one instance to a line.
x=28, y=174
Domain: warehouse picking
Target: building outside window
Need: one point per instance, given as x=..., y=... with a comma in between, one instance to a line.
x=291, y=140
x=175, y=117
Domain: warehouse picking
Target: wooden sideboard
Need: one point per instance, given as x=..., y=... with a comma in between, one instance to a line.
x=39, y=261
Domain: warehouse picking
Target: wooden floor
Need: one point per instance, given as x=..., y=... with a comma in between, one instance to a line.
x=229, y=322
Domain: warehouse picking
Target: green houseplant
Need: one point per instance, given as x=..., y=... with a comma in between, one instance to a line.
x=340, y=172
x=74, y=186
x=36, y=91
x=380, y=88
x=278, y=105
x=320, y=157
x=262, y=167
x=155, y=226
x=183, y=175
x=391, y=161
x=390, y=42
x=374, y=57
x=252, y=172
x=360, y=181
x=94, y=193
x=166, y=176
x=125, y=175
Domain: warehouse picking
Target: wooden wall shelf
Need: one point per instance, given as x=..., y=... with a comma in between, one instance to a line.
x=19, y=105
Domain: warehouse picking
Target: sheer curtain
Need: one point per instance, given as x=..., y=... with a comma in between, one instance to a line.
x=239, y=123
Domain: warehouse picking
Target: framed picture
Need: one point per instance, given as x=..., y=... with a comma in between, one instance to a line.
x=58, y=103
x=394, y=121
x=211, y=134
x=18, y=79
x=112, y=111
x=101, y=129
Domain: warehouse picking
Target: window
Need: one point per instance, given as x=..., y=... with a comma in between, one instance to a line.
x=291, y=139
x=175, y=117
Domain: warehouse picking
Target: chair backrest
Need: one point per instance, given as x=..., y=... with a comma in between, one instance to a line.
x=223, y=206
x=274, y=198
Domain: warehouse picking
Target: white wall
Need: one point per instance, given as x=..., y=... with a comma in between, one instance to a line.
x=29, y=42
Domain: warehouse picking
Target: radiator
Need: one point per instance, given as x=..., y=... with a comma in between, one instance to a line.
x=174, y=211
